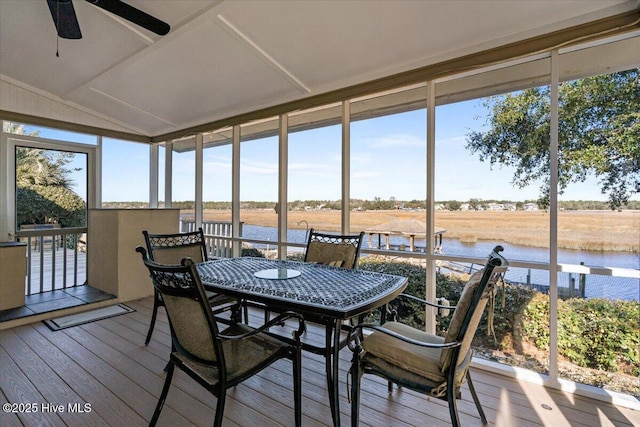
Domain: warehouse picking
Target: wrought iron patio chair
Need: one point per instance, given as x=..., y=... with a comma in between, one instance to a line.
x=333, y=250
x=430, y=364
x=171, y=249
x=217, y=360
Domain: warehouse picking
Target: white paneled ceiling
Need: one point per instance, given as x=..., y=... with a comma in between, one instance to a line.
x=223, y=58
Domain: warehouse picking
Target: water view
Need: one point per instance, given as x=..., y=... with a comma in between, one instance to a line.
x=596, y=286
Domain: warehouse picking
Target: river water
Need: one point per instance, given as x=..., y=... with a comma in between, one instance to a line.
x=611, y=287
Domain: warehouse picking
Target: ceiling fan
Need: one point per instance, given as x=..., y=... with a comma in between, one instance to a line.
x=64, y=17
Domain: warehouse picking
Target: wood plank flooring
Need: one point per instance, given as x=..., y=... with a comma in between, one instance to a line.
x=105, y=365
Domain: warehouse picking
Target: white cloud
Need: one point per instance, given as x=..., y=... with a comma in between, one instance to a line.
x=215, y=167
x=361, y=158
x=397, y=140
x=258, y=167
x=311, y=167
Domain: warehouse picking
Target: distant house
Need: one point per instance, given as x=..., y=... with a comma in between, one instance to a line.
x=495, y=207
x=530, y=207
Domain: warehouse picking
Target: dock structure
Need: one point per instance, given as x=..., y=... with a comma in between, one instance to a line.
x=408, y=228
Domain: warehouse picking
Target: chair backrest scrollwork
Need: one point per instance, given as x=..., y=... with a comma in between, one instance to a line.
x=334, y=250
x=172, y=248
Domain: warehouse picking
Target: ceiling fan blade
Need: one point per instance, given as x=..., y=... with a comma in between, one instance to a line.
x=134, y=15
x=64, y=18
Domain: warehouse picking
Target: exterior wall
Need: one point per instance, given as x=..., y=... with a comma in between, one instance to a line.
x=13, y=270
x=112, y=264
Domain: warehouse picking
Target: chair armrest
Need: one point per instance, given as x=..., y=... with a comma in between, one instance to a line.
x=393, y=313
x=354, y=339
x=276, y=321
x=425, y=302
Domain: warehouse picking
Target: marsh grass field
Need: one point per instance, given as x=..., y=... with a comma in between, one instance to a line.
x=580, y=230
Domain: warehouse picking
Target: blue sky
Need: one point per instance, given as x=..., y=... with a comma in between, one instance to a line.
x=388, y=159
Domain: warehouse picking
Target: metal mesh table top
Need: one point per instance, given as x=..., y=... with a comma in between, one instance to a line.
x=318, y=285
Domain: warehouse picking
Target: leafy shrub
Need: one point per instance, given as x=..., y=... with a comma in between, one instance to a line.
x=410, y=312
x=535, y=321
x=593, y=333
x=39, y=204
x=252, y=252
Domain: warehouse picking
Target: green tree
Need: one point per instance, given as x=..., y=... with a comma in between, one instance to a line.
x=17, y=129
x=599, y=135
x=43, y=188
x=42, y=168
x=40, y=204
x=454, y=205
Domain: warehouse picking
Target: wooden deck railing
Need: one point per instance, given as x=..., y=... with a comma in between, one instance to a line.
x=56, y=258
x=217, y=234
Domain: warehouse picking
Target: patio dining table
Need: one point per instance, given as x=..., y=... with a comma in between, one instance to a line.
x=322, y=294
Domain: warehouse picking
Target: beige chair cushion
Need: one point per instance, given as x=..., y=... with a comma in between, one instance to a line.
x=458, y=317
x=417, y=365
x=336, y=255
x=174, y=255
x=423, y=361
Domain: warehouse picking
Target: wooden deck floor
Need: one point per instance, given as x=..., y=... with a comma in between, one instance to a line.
x=105, y=365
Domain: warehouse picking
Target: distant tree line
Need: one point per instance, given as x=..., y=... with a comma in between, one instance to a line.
x=380, y=204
